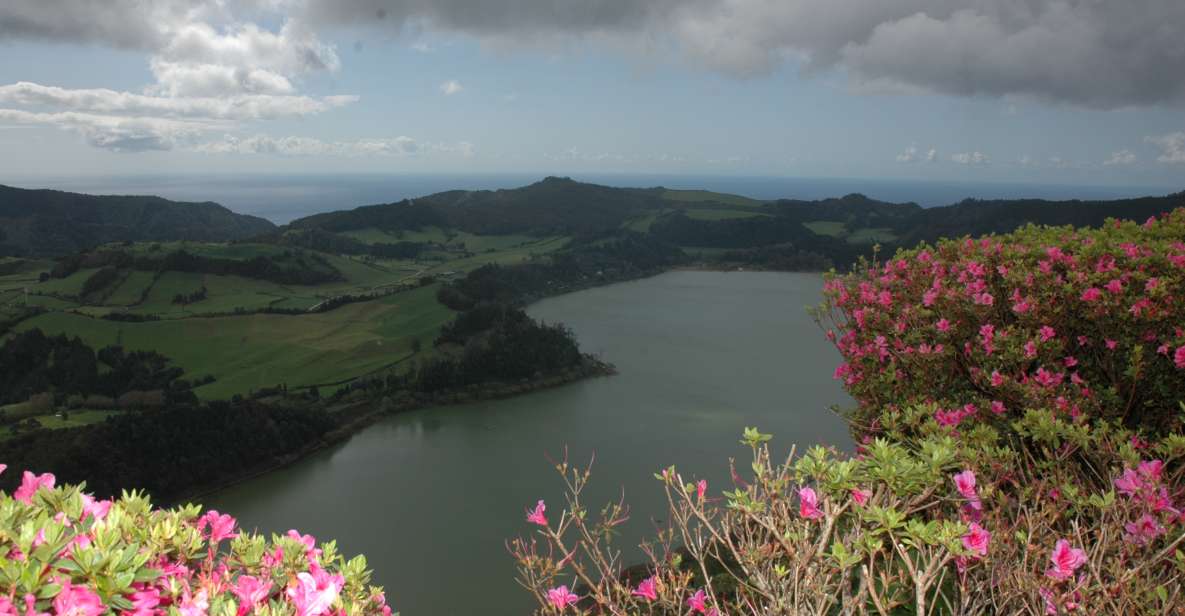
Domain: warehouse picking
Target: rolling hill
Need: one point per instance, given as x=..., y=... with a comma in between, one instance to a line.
x=47, y=223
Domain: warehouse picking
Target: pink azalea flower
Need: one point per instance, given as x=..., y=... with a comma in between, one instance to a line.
x=1151, y=469
x=943, y=325
x=145, y=601
x=95, y=508
x=560, y=597
x=698, y=602
x=808, y=504
x=30, y=483
x=965, y=483
x=976, y=540
x=1111, y=344
x=1129, y=483
x=77, y=601
x=997, y=378
x=861, y=496
x=1115, y=286
x=1143, y=531
x=1091, y=294
x=1030, y=349
x=3, y=467
x=1066, y=560
x=222, y=526
x=1050, y=604
x=313, y=592
x=1179, y=357
x=536, y=516
x=196, y=605
x=648, y=589
x=1047, y=333
x=998, y=407
x=251, y=591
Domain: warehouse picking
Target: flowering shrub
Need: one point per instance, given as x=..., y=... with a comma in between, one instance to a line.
x=65, y=553
x=898, y=529
x=1019, y=423
x=1058, y=324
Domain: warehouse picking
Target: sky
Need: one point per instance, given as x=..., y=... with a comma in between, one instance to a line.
x=1043, y=91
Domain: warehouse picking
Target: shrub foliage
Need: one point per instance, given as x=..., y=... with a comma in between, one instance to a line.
x=1019, y=423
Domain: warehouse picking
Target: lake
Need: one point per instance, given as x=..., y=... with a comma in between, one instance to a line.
x=430, y=496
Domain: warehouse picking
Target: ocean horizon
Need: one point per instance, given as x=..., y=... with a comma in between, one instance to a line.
x=282, y=198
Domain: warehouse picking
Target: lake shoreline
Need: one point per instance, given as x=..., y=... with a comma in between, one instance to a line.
x=367, y=413
x=361, y=415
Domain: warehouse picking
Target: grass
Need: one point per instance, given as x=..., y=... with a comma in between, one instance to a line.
x=74, y=419
x=827, y=227
x=641, y=224
x=169, y=285
x=131, y=290
x=707, y=195
x=70, y=286
x=247, y=352
x=711, y=214
x=261, y=350
x=871, y=235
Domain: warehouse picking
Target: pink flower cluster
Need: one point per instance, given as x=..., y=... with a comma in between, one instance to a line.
x=1081, y=302
x=169, y=581
x=1150, y=498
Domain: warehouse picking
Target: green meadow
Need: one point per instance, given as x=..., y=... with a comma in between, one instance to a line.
x=225, y=335
x=253, y=351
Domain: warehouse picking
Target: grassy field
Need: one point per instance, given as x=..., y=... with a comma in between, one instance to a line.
x=131, y=290
x=871, y=235
x=261, y=350
x=713, y=214
x=827, y=227
x=250, y=351
x=707, y=195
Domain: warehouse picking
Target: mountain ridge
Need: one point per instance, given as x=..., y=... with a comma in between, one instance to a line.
x=46, y=222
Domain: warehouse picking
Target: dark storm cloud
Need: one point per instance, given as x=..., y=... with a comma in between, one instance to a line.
x=1092, y=53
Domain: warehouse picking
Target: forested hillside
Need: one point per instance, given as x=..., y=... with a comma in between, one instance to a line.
x=53, y=223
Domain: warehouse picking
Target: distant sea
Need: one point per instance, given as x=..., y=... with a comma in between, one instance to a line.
x=282, y=198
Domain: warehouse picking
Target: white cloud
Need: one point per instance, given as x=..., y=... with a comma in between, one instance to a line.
x=209, y=67
x=1121, y=157
x=1172, y=147
x=451, y=87
x=117, y=133
x=910, y=155
x=974, y=159
x=238, y=107
x=401, y=146
x=913, y=155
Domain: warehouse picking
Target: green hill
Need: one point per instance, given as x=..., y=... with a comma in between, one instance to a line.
x=47, y=223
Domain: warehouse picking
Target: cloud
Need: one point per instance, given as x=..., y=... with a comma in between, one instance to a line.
x=1084, y=52
x=211, y=65
x=1172, y=147
x=451, y=87
x=1122, y=157
x=973, y=159
x=910, y=155
x=913, y=155
x=116, y=133
x=401, y=146
x=1098, y=54
x=240, y=107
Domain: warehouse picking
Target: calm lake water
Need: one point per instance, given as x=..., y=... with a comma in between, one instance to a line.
x=430, y=496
